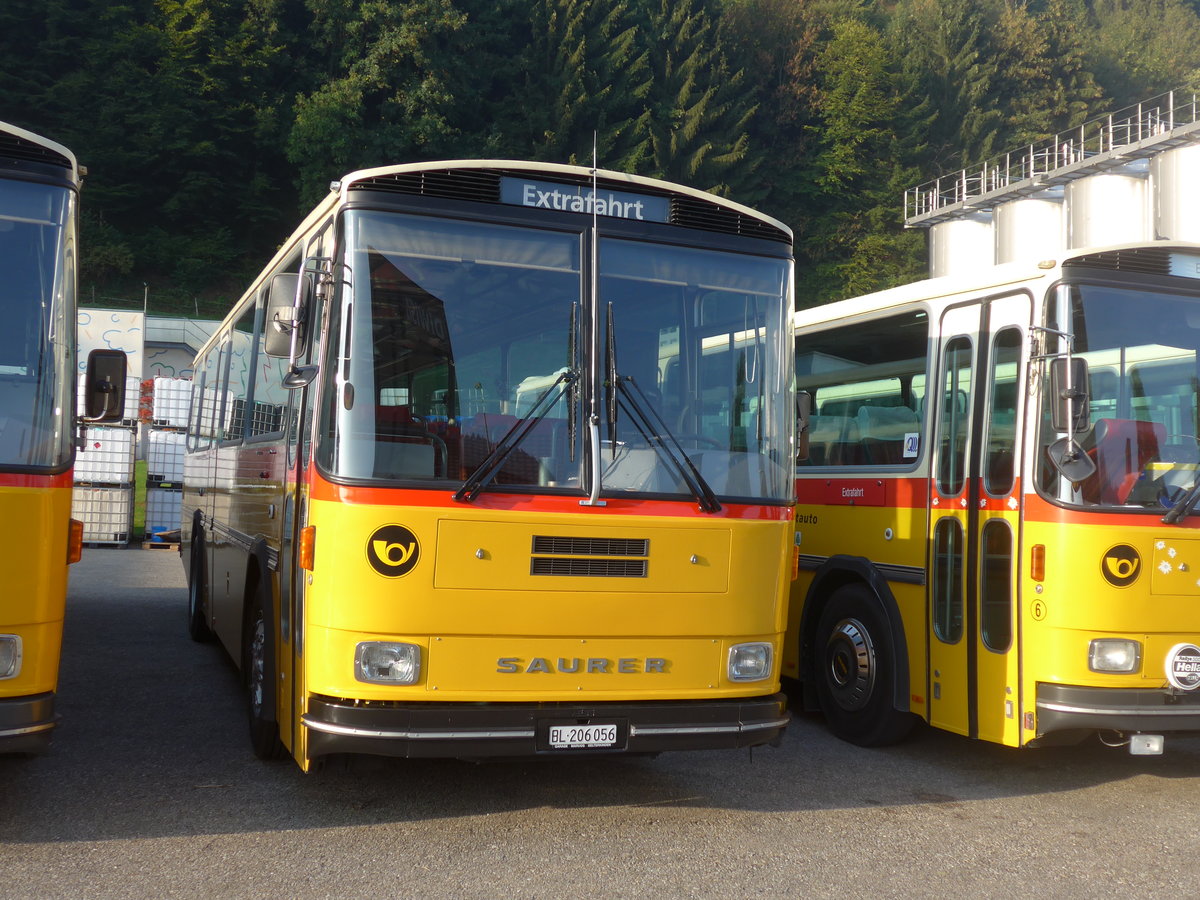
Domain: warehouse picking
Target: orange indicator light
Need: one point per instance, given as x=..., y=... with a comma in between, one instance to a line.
x=308, y=540
x=1037, y=562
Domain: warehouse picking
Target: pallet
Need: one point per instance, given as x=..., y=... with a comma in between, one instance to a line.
x=159, y=545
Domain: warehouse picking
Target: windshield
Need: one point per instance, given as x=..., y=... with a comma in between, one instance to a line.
x=453, y=331
x=37, y=341
x=1141, y=351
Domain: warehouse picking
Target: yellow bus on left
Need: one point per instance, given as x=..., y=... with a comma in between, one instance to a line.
x=39, y=202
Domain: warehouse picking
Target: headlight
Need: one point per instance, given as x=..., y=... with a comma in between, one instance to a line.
x=750, y=662
x=10, y=655
x=1114, y=655
x=387, y=662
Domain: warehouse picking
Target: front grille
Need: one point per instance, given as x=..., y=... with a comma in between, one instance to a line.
x=14, y=147
x=1141, y=261
x=590, y=546
x=692, y=212
x=479, y=185
x=588, y=568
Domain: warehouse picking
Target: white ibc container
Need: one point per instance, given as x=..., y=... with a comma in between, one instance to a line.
x=1175, y=176
x=106, y=513
x=1029, y=229
x=961, y=245
x=164, y=456
x=172, y=401
x=1107, y=209
x=163, y=507
x=133, y=395
x=106, y=456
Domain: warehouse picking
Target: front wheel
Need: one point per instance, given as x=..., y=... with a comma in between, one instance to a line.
x=260, y=682
x=857, y=670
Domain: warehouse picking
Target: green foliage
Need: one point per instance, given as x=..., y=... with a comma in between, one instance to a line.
x=208, y=126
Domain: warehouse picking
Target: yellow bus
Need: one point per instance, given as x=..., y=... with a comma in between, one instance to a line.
x=996, y=478
x=39, y=194
x=495, y=458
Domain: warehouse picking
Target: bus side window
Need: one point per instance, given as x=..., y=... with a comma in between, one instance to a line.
x=240, y=377
x=867, y=383
x=269, y=397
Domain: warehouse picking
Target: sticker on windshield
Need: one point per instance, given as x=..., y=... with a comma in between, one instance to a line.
x=912, y=444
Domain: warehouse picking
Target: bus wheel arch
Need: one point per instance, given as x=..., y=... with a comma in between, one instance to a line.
x=258, y=661
x=856, y=664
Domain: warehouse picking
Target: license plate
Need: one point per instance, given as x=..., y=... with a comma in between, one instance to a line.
x=565, y=737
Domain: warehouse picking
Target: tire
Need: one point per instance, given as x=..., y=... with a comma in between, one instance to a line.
x=198, y=628
x=259, y=671
x=856, y=670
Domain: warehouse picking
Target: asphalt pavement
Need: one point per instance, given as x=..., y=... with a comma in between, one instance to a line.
x=150, y=790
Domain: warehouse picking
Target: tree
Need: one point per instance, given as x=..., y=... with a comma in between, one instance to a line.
x=698, y=120
x=388, y=97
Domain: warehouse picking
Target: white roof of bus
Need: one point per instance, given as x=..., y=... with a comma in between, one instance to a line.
x=546, y=168
x=984, y=280
x=44, y=142
x=339, y=190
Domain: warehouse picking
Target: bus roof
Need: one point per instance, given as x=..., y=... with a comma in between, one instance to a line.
x=374, y=178
x=20, y=146
x=385, y=178
x=984, y=280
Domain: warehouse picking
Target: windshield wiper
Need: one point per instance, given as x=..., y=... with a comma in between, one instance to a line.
x=655, y=430
x=650, y=424
x=482, y=476
x=1184, y=507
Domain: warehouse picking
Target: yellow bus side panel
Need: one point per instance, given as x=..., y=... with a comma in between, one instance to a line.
x=825, y=531
x=33, y=541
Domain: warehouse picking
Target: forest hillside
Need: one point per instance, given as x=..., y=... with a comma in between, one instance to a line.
x=209, y=127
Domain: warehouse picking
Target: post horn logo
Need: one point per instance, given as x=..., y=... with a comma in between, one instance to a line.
x=393, y=550
x=1121, y=565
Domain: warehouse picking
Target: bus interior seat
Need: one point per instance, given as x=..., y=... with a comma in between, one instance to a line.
x=882, y=430
x=1123, y=448
x=833, y=440
x=398, y=437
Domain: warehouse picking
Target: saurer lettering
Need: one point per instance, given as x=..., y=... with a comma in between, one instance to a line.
x=512, y=665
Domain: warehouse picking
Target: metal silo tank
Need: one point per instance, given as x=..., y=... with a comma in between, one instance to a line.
x=961, y=245
x=1029, y=229
x=1175, y=185
x=1111, y=208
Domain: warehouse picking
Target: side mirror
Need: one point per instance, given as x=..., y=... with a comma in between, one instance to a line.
x=284, y=332
x=104, y=386
x=803, y=414
x=1070, y=411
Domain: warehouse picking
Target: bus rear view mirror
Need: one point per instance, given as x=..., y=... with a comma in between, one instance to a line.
x=104, y=386
x=284, y=332
x=803, y=414
x=1069, y=387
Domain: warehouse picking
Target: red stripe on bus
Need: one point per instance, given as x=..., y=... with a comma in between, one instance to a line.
x=1039, y=510
x=494, y=500
x=907, y=493
x=25, y=480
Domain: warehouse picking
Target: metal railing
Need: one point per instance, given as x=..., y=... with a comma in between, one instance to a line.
x=1151, y=119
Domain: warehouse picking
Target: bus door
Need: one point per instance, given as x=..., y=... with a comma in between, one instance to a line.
x=975, y=506
x=298, y=413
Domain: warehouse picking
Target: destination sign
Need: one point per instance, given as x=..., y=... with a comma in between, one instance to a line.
x=581, y=199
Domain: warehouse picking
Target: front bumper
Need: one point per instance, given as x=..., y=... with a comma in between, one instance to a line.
x=1062, y=707
x=468, y=730
x=26, y=723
